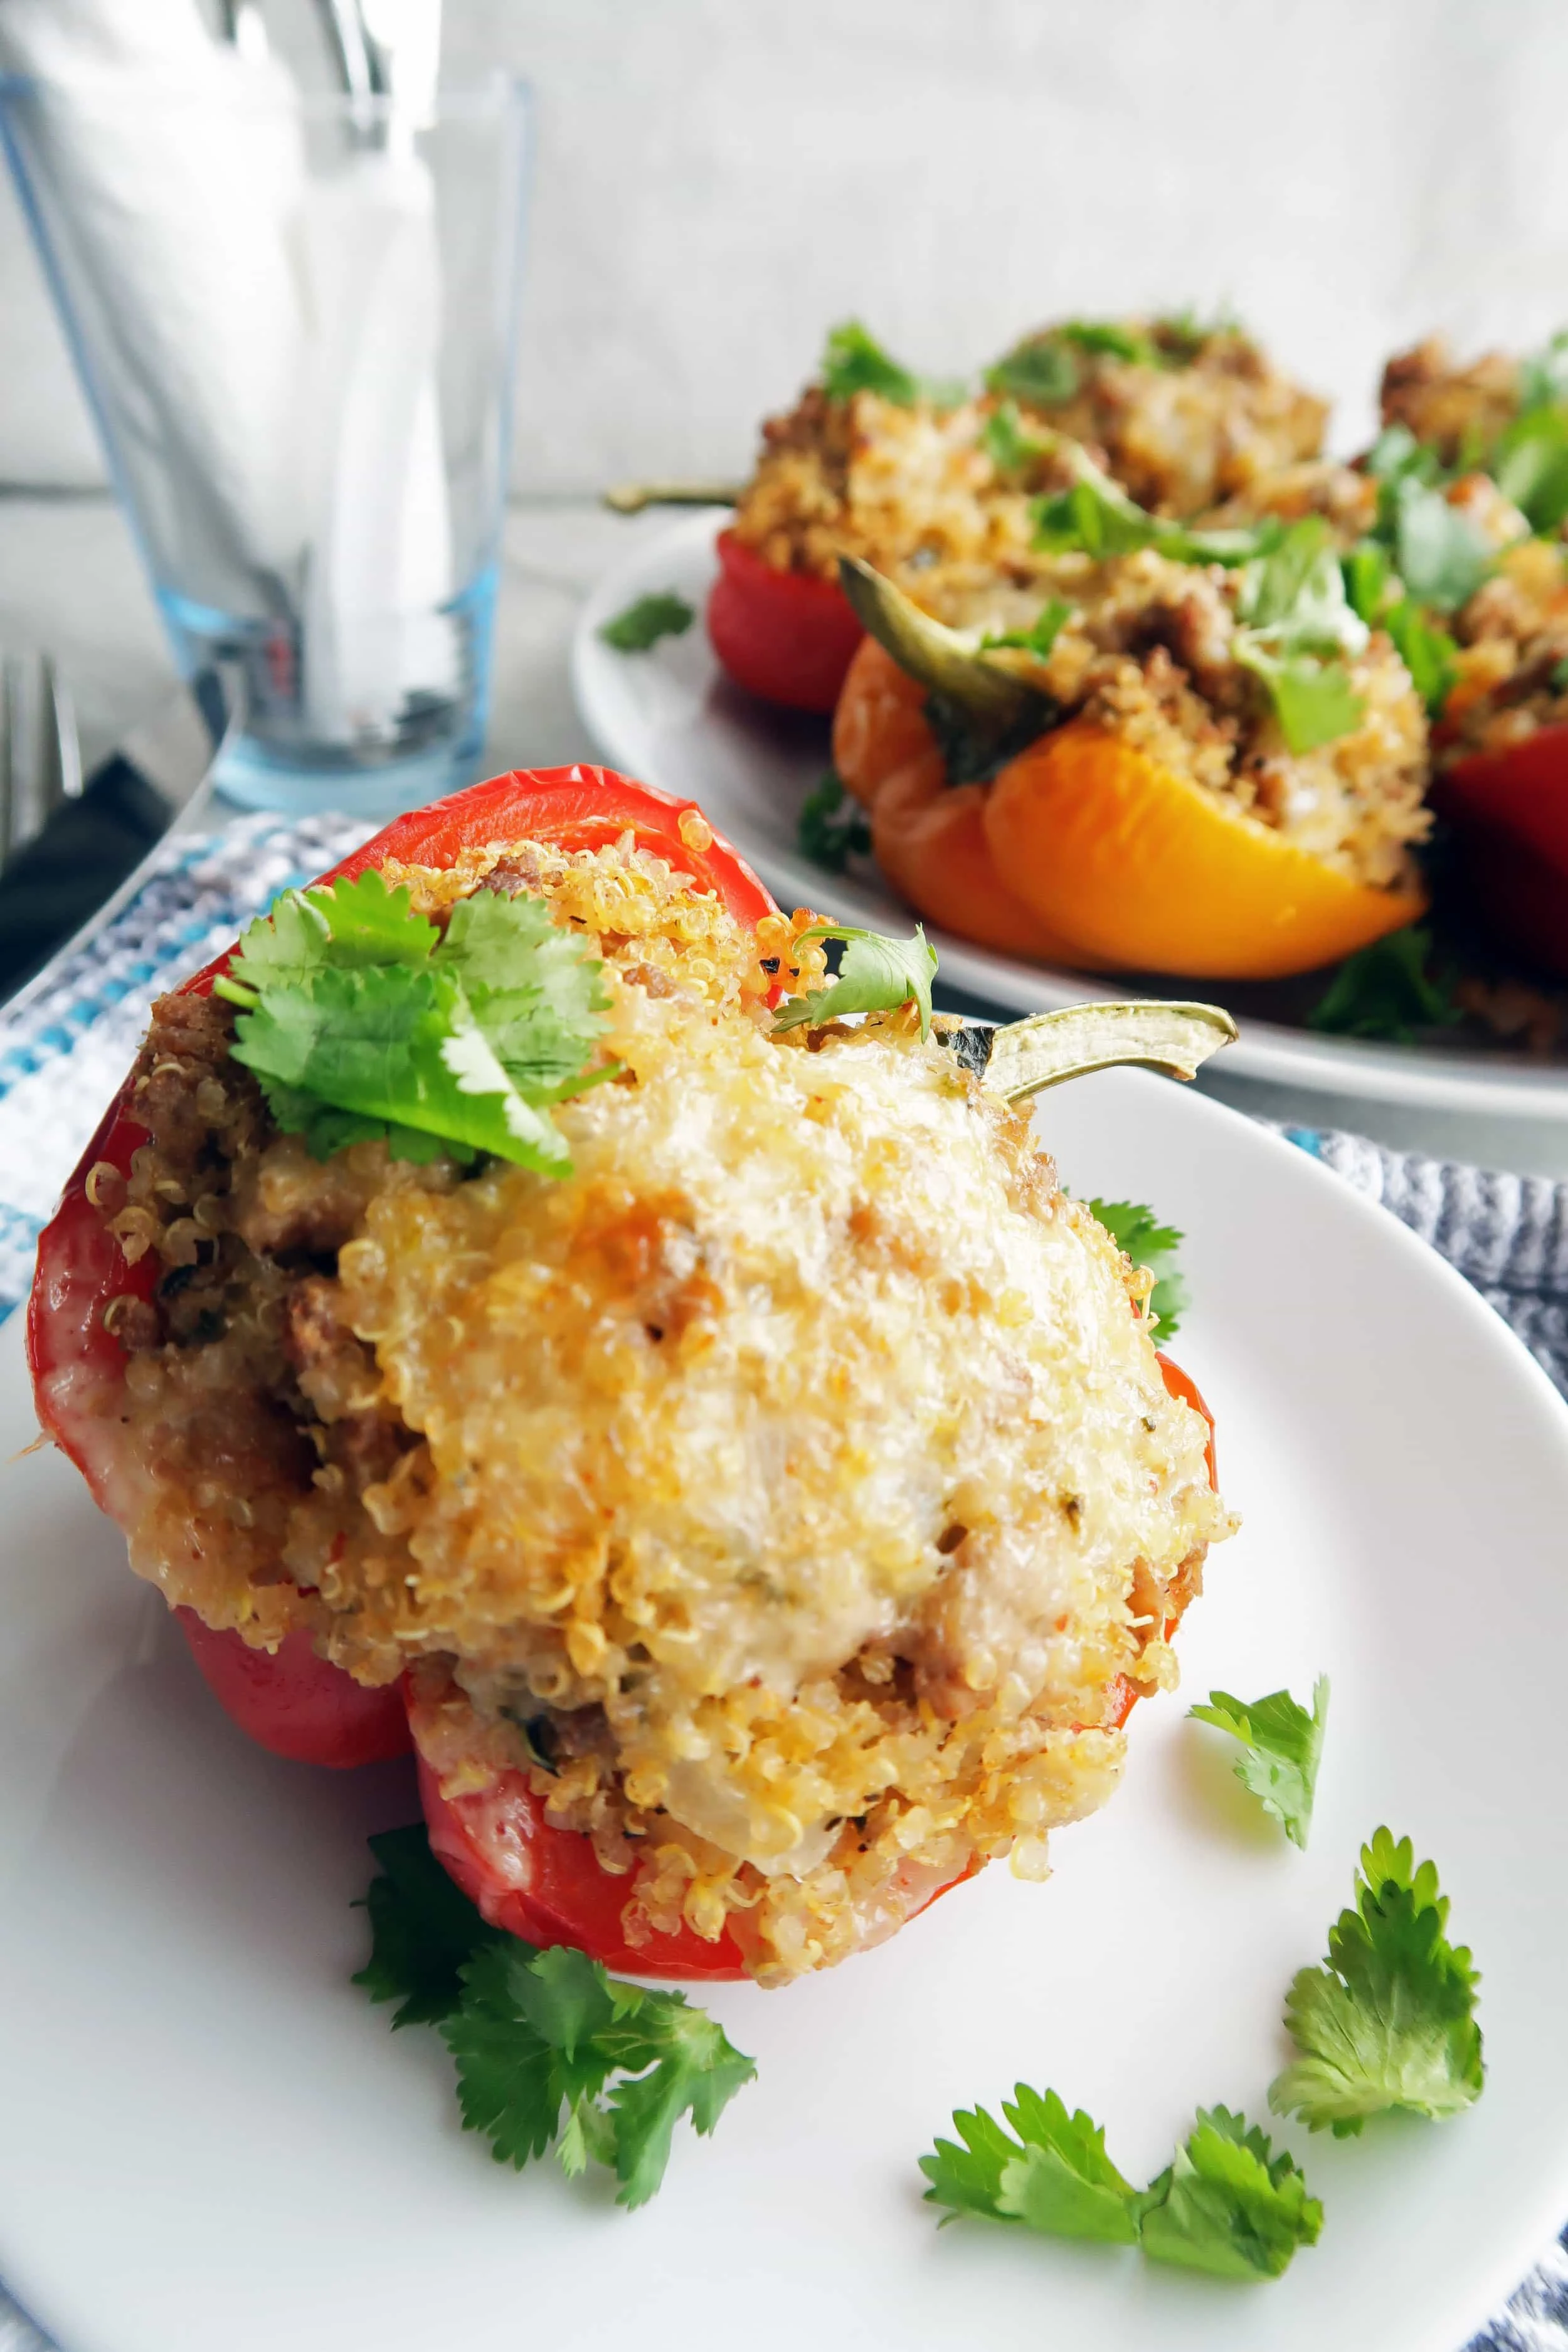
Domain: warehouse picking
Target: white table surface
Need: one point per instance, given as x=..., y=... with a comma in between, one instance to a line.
x=70, y=582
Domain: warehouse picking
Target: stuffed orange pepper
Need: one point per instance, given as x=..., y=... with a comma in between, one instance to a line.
x=1190, y=757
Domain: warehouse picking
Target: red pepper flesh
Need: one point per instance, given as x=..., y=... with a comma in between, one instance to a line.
x=786, y=636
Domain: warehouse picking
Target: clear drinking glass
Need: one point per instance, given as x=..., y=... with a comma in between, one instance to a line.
x=295, y=320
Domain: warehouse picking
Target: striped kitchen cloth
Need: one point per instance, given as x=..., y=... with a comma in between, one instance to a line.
x=66, y=1043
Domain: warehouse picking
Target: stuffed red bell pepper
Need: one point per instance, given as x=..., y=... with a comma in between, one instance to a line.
x=502, y=1300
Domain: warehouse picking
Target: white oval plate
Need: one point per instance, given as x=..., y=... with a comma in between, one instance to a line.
x=209, y=2137
x=672, y=718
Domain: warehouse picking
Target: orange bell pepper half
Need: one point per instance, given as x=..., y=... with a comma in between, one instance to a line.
x=1153, y=872
x=929, y=835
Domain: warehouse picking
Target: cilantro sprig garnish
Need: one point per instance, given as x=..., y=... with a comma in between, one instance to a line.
x=642, y=623
x=1134, y=1227
x=1055, y=2176
x=1045, y=370
x=1297, y=623
x=832, y=828
x=853, y=360
x=363, y=1021
x=1225, y=2204
x=1228, y=2205
x=1281, y=1747
x=1010, y=449
x=1388, y=2020
x=877, y=974
x=1437, y=550
x=1096, y=517
x=1388, y=990
x=550, y=2048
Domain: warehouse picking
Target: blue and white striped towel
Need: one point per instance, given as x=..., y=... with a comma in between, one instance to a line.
x=67, y=1044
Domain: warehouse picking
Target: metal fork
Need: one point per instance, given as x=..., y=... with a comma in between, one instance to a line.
x=40, y=756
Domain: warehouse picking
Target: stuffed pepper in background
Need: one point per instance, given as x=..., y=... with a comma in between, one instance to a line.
x=932, y=488
x=1490, y=437
x=1184, y=414
x=1194, y=757
x=504, y=1291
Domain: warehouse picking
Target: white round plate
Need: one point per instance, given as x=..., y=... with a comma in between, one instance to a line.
x=671, y=716
x=209, y=2137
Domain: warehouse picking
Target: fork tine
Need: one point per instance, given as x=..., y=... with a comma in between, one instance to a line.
x=67, y=737
x=7, y=756
x=48, y=769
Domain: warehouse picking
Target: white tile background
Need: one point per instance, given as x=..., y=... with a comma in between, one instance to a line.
x=717, y=179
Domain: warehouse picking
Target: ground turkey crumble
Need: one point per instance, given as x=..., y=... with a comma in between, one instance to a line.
x=798, y=1471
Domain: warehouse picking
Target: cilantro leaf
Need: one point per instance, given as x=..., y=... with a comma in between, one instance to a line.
x=832, y=828
x=1040, y=371
x=1228, y=2205
x=1292, y=593
x=642, y=623
x=1367, y=578
x=541, y=2034
x=401, y=1047
x=1530, y=466
x=1097, y=517
x=1108, y=339
x=1010, y=449
x=1041, y=634
x=1386, y=989
x=1281, y=1745
x=341, y=924
x=692, y=2069
x=423, y=1930
x=548, y=2047
x=1055, y=2176
x=876, y=975
x=1293, y=609
x=1314, y=701
x=853, y=360
x=1044, y=370
x=1428, y=653
x=1397, y=455
x=1438, y=552
x=363, y=1021
x=1388, y=2020
x=1543, y=374
x=1137, y=1230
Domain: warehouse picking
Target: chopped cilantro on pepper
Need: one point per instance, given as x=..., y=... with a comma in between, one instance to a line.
x=363, y=1021
x=877, y=974
x=853, y=360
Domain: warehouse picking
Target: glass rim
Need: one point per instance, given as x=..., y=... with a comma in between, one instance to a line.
x=496, y=94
